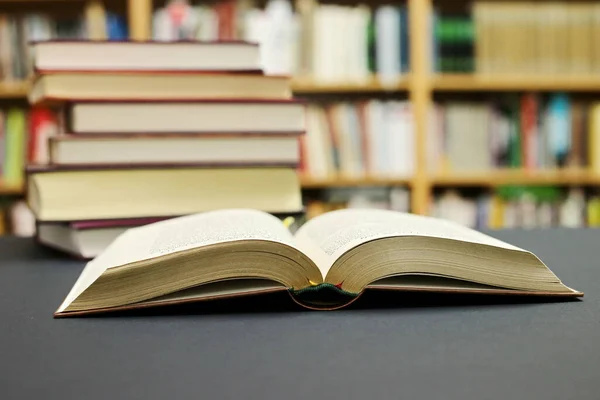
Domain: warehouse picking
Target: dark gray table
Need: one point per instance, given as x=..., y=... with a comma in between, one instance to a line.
x=427, y=347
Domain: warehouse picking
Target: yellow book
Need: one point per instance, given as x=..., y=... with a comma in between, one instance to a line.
x=496, y=218
x=594, y=138
x=593, y=212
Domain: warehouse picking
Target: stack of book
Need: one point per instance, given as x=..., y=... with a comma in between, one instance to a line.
x=155, y=130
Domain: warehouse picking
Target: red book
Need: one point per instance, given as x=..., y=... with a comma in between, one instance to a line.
x=364, y=138
x=43, y=125
x=529, y=130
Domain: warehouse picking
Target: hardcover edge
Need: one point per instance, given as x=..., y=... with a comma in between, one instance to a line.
x=501, y=292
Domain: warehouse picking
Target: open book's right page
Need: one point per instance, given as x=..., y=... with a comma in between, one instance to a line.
x=325, y=238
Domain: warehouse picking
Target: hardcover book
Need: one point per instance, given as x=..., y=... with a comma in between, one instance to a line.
x=136, y=191
x=66, y=55
x=240, y=252
x=51, y=88
x=209, y=148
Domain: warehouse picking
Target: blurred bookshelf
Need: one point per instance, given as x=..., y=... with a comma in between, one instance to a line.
x=430, y=70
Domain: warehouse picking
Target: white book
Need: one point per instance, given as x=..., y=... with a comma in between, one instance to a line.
x=145, y=56
x=210, y=149
x=187, y=117
x=387, y=22
x=208, y=23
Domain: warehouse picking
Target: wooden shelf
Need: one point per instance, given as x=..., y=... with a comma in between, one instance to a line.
x=334, y=182
x=518, y=177
x=8, y=190
x=475, y=82
x=307, y=85
x=14, y=90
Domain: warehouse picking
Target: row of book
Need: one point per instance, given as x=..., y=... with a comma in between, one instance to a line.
x=528, y=131
x=17, y=31
x=371, y=138
x=528, y=208
x=519, y=38
x=136, y=147
x=395, y=198
x=329, y=43
x=507, y=208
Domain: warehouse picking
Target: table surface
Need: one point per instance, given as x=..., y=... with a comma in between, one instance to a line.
x=417, y=346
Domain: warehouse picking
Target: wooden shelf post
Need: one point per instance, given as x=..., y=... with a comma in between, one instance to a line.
x=140, y=19
x=420, y=95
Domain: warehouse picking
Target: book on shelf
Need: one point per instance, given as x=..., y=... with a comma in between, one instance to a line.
x=195, y=116
x=453, y=43
x=531, y=132
x=60, y=87
x=354, y=42
x=373, y=138
x=149, y=191
x=145, y=56
x=210, y=149
x=14, y=140
x=22, y=219
x=44, y=124
x=230, y=253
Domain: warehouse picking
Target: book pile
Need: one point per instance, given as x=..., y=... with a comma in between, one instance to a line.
x=156, y=130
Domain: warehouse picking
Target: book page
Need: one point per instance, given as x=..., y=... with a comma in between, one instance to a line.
x=328, y=236
x=181, y=234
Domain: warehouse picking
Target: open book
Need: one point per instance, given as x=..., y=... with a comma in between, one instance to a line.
x=240, y=252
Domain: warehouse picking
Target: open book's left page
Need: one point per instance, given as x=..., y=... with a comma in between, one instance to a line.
x=181, y=234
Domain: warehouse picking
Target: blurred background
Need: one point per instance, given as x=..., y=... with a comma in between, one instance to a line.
x=482, y=112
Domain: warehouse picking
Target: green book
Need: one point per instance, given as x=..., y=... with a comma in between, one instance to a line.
x=371, y=46
x=514, y=147
x=14, y=158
